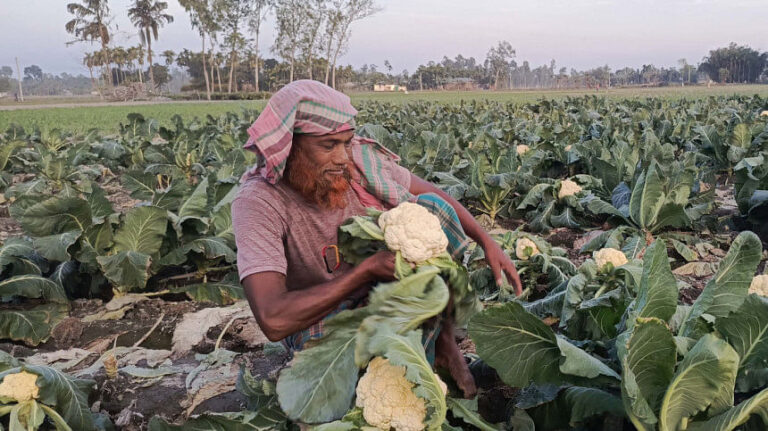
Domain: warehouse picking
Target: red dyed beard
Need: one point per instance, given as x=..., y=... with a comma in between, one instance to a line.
x=304, y=176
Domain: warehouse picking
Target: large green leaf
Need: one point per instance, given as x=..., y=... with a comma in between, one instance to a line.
x=128, y=270
x=319, y=384
x=466, y=410
x=55, y=247
x=223, y=292
x=142, y=231
x=32, y=326
x=406, y=351
x=747, y=331
x=647, y=197
x=101, y=207
x=195, y=207
x=657, y=294
x=736, y=416
x=727, y=290
x=67, y=395
x=707, y=372
x=211, y=248
x=650, y=358
x=56, y=215
x=17, y=253
x=32, y=286
x=524, y=349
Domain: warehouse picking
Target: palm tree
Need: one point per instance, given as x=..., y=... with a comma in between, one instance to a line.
x=169, y=56
x=89, y=24
x=139, y=49
x=89, y=60
x=148, y=16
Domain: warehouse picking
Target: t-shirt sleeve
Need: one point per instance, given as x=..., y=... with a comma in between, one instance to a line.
x=259, y=234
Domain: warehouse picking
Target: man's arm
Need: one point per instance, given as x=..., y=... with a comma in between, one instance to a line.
x=494, y=255
x=281, y=312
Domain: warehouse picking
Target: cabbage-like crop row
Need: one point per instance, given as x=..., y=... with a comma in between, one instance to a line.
x=607, y=337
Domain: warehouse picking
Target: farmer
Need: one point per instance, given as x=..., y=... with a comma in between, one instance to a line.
x=314, y=173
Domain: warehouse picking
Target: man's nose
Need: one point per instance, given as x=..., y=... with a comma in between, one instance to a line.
x=339, y=155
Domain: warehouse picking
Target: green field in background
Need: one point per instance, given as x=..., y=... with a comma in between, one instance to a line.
x=82, y=117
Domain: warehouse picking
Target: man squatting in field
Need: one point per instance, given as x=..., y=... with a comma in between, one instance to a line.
x=314, y=173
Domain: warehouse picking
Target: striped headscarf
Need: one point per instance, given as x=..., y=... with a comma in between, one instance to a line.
x=311, y=107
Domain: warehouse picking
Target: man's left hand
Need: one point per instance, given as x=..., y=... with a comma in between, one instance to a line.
x=500, y=264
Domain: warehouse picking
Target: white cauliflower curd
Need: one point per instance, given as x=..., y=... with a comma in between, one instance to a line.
x=764, y=113
x=568, y=188
x=19, y=386
x=387, y=398
x=525, y=248
x=606, y=256
x=759, y=285
x=522, y=149
x=413, y=231
x=568, y=147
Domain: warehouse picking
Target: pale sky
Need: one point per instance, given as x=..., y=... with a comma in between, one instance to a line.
x=576, y=33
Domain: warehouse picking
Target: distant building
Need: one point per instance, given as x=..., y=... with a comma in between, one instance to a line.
x=390, y=88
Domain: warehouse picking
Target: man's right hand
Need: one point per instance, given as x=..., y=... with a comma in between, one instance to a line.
x=380, y=266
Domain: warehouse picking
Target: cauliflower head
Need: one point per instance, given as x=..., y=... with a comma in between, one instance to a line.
x=387, y=398
x=413, y=231
x=568, y=188
x=525, y=248
x=522, y=149
x=612, y=256
x=759, y=285
x=568, y=147
x=20, y=386
x=764, y=113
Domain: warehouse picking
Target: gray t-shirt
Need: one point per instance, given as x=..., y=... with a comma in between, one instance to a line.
x=276, y=229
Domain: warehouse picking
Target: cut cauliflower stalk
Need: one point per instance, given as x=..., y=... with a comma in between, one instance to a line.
x=606, y=256
x=387, y=398
x=568, y=188
x=522, y=149
x=20, y=387
x=759, y=285
x=525, y=248
x=413, y=231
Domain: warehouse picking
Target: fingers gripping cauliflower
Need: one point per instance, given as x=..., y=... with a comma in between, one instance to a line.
x=612, y=256
x=759, y=285
x=568, y=188
x=525, y=248
x=413, y=231
x=19, y=386
x=387, y=398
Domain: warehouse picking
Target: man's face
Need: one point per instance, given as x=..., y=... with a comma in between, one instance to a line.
x=318, y=168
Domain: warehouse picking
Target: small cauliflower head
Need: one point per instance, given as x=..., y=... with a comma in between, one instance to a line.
x=522, y=149
x=612, y=256
x=387, y=398
x=568, y=147
x=759, y=285
x=525, y=248
x=413, y=231
x=764, y=113
x=568, y=188
x=19, y=386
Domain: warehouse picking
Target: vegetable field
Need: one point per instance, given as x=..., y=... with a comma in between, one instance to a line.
x=638, y=227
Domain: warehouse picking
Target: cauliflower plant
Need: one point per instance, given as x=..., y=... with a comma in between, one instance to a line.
x=759, y=284
x=413, y=231
x=525, y=248
x=387, y=398
x=612, y=256
x=20, y=386
x=522, y=149
x=568, y=188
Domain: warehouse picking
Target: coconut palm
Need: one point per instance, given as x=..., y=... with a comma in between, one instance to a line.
x=148, y=16
x=90, y=61
x=91, y=22
x=169, y=56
